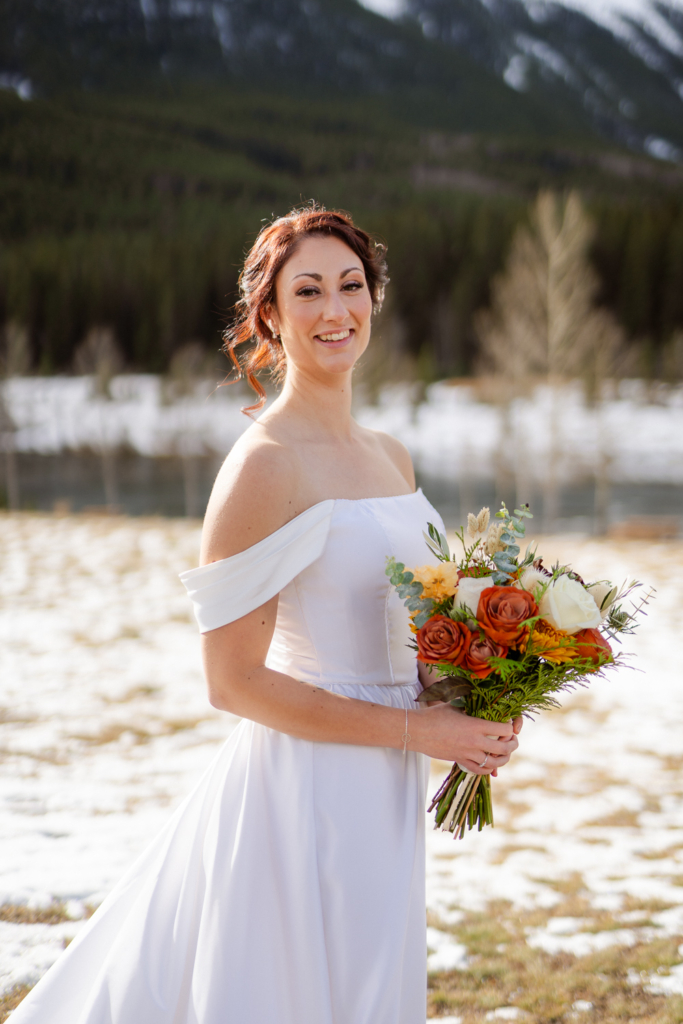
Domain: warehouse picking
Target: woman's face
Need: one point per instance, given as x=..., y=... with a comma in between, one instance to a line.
x=322, y=306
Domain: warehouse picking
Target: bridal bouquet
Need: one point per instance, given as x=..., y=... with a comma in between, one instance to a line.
x=505, y=635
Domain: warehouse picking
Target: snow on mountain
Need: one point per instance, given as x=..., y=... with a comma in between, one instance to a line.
x=389, y=8
x=616, y=15
x=618, y=63
x=573, y=67
x=621, y=17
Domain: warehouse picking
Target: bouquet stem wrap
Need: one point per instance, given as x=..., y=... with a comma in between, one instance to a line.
x=463, y=801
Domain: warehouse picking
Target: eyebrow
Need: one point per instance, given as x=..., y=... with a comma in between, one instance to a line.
x=318, y=277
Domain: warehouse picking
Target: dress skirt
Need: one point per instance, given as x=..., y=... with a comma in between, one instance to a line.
x=288, y=888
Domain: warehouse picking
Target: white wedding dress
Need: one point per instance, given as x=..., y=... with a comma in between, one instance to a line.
x=289, y=886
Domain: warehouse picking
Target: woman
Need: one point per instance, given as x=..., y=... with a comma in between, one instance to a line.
x=289, y=887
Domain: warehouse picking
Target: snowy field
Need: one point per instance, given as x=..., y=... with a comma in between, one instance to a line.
x=637, y=433
x=104, y=727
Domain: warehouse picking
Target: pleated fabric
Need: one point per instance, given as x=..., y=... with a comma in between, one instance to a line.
x=288, y=887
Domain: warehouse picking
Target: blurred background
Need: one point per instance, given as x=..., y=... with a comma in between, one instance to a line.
x=522, y=160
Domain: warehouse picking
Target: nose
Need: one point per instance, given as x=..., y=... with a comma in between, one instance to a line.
x=334, y=309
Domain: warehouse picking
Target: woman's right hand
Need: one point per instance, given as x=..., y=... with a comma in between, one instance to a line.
x=448, y=734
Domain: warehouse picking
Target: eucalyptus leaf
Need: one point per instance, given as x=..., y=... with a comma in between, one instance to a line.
x=437, y=543
x=504, y=564
x=501, y=578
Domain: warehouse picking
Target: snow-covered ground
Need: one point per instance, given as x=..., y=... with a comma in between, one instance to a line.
x=638, y=434
x=53, y=414
x=454, y=435
x=105, y=727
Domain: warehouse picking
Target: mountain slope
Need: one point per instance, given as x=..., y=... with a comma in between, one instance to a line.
x=612, y=68
x=330, y=46
x=618, y=65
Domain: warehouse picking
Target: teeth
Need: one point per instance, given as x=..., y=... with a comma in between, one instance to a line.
x=334, y=337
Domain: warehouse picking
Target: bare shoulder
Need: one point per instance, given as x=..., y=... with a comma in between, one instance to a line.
x=255, y=493
x=399, y=455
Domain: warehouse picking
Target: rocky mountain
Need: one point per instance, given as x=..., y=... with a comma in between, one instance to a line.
x=498, y=66
x=618, y=65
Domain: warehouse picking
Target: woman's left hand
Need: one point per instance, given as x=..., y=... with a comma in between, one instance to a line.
x=517, y=724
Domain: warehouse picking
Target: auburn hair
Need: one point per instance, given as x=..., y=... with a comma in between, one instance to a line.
x=275, y=244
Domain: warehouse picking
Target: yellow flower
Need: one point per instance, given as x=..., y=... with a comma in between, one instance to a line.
x=438, y=581
x=551, y=644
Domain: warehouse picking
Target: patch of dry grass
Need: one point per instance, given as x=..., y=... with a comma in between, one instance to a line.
x=621, y=818
x=669, y=851
x=10, y=1000
x=14, y=913
x=44, y=756
x=135, y=693
x=55, y=913
x=112, y=732
x=8, y=716
x=569, y=886
x=505, y=971
x=506, y=851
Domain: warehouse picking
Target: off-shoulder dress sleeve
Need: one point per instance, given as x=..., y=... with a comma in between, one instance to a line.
x=226, y=590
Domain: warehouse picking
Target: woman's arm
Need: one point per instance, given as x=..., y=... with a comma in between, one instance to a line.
x=239, y=682
x=253, y=496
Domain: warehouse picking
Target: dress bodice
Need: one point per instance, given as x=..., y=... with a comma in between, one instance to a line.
x=339, y=619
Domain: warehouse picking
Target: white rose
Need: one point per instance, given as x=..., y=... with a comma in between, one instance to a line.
x=567, y=605
x=603, y=593
x=469, y=591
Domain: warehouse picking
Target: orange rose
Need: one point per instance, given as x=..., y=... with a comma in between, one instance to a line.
x=590, y=643
x=501, y=612
x=479, y=653
x=441, y=639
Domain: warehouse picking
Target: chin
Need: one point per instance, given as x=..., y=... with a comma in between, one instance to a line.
x=339, y=362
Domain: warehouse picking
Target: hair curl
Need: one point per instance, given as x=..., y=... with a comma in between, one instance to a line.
x=275, y=244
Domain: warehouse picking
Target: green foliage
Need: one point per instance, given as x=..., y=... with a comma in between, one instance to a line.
x=410, y=591
x=473, y=553
x=507, y=560
x=623, y=620
x=437, y=543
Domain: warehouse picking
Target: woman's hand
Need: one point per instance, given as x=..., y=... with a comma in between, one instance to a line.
x=517, y=724
x=445, y=733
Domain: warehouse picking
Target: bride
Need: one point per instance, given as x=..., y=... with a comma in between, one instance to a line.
x=289, y=887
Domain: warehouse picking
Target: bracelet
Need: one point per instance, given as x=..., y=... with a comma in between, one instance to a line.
x=406, y=737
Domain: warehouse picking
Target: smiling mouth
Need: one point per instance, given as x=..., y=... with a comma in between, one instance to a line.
x=334, y=336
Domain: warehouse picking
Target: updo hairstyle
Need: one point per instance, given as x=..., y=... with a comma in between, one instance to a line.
x=275, y=244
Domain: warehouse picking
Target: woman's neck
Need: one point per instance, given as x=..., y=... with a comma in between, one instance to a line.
x=322, y=404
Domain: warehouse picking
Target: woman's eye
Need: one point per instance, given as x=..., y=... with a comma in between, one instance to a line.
x=307, y=291
x=353, y=286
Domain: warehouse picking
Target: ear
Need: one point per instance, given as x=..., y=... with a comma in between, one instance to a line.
x=271, y=320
